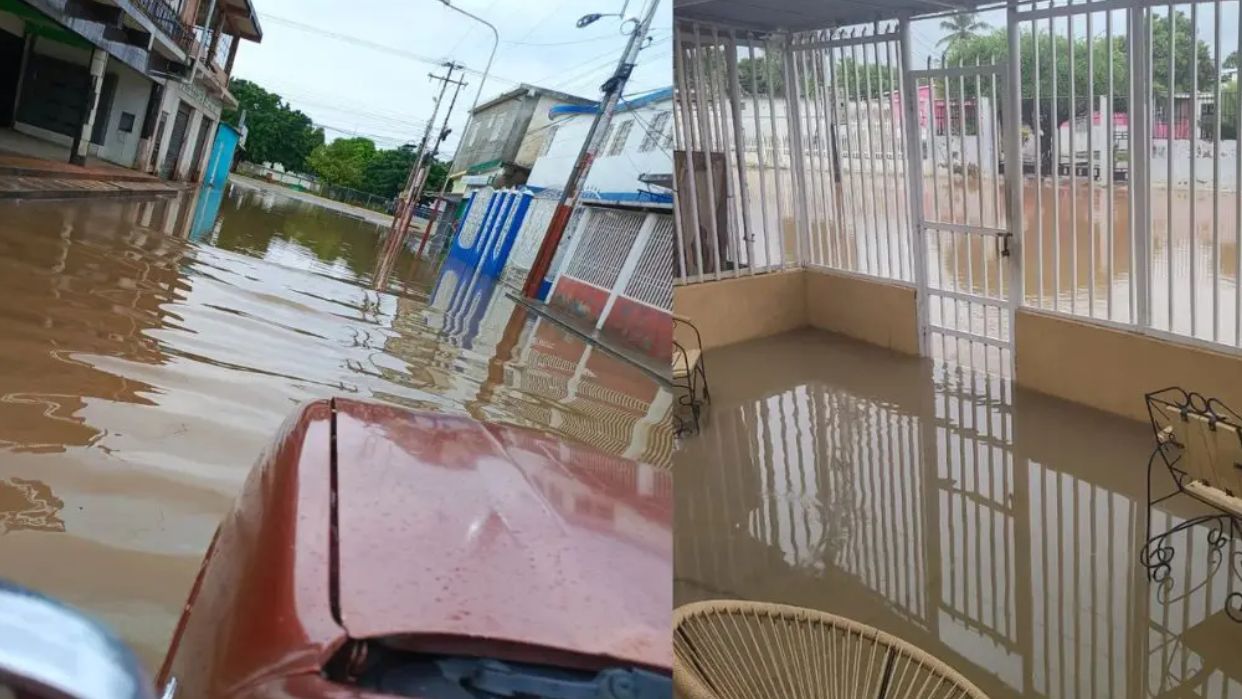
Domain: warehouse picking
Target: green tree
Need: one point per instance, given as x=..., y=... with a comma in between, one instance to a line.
x=1184, y=65
x=994, y=45
x=386, y=173
x=962, y=26
x=762, y=74
x=867, y=80
x=342, y=162
x=278, y=133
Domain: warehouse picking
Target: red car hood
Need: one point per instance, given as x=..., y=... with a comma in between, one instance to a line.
x=454, y=530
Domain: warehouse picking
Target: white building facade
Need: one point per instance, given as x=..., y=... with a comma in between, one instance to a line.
x=638, y=145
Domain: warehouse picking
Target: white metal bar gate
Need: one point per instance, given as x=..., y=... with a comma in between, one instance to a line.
x=967, y=246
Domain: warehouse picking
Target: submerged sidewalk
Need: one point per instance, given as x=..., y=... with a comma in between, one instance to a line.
x=27, y=177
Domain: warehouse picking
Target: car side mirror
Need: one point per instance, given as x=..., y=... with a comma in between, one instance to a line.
x=49, y=650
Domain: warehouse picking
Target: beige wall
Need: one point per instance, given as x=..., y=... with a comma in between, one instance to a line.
x=736, y=310
x=1112, y=369
x=878, y=312
x=1097, y=366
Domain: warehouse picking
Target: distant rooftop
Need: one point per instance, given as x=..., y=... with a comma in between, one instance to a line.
x=526, y=88
x=663, y=94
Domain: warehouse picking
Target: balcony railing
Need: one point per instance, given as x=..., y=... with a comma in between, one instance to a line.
x=168, y=20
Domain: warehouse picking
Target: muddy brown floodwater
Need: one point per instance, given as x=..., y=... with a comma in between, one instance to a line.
x=150, y=348
x=996, y=528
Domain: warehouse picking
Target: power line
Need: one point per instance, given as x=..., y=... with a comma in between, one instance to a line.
x=470, y=29
x=650, y=131
x=592, y=40
x=609, y=57
x=554, y=9
x=359, y=41
x=589, y=71
x=356, y=132
x=389, y=121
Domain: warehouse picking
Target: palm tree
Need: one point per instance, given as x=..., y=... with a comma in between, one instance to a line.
x=961, y=27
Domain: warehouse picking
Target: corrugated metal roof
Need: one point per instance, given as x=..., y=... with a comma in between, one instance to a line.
x=795, y=15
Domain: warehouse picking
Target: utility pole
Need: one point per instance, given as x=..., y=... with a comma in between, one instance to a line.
x=423, y=170
x=612, y=89
x=444, y=133
x=406, y=204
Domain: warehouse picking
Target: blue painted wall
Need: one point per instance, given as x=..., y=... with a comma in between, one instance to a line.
x=221, y=162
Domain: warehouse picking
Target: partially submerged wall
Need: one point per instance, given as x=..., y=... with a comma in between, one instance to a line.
x=1102, y=367
x=876, y=311
x=1112, y=369
x=746, y=308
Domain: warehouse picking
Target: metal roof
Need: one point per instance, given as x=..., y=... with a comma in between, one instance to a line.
x=664, y=94
x=796, y=15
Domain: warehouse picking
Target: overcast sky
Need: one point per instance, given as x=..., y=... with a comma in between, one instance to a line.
x=355, y=67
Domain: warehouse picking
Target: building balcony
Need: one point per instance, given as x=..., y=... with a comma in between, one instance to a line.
x=168, y=21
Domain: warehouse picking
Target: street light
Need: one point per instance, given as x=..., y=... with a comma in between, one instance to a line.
x=588, y=20
x=495, y=43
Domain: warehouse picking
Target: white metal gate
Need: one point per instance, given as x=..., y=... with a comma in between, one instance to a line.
x=967, y=245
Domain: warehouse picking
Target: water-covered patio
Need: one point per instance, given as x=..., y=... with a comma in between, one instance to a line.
x=997, y=528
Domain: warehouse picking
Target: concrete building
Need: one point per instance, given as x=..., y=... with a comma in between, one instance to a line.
x=505, y=136
x=636, y=150
x=137, y=83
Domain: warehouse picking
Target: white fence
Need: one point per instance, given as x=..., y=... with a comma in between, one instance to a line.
x=615, y=275
x=1145, y=233
x=794, y=157
x=794, y=151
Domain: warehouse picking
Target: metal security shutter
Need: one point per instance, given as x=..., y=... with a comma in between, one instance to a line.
x=54, y=94
x=176, y=141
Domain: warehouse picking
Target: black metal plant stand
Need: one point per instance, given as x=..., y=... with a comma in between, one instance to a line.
x=1176, y=416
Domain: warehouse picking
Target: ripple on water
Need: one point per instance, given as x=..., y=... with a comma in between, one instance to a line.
x=152, y=348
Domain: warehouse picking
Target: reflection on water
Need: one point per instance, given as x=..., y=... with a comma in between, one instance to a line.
x=152, y=347
x=997, y=529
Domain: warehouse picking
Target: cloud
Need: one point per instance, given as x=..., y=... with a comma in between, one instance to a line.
x=362, y=66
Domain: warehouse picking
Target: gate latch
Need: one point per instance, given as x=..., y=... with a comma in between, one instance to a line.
x=1005, y=244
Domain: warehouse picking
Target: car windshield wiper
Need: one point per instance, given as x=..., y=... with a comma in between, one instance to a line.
x=495, y=678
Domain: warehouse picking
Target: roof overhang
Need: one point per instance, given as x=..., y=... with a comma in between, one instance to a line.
x=242, y=19
x=805, y=15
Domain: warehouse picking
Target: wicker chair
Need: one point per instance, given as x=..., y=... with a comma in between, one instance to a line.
x=1199, y=440
x=727, y=649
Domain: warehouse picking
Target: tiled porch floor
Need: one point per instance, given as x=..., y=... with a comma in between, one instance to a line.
x=19, y=151
x=997, y=529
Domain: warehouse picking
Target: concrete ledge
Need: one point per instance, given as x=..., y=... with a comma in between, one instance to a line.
x=735, y=310
x=56, y=188
x=1112, y=369
x=872, y=310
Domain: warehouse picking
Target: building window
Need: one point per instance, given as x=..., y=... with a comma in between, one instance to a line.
x=547, y=140
x=655, y=133
x=603, y=141
x=618, y=141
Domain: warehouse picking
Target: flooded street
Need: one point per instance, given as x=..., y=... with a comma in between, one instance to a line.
x=996, y=528
x=152, y=347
